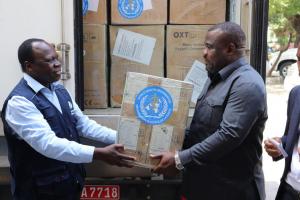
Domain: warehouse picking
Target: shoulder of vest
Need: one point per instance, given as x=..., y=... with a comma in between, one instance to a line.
x=22, y=89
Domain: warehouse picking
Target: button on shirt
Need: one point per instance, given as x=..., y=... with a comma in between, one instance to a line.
x=29, y=124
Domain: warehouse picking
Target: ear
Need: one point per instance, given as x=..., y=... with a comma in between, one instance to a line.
x=231, y=48
x=28, y=67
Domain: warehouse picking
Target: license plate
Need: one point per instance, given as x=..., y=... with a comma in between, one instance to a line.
x=100, y=192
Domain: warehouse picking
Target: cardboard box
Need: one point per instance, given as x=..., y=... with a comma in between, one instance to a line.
x=153, y=116
x=246, y=26
x=95, y=85
x=185, y=44
x=95, y=62
x=197, y=11
x=142, y=12
x=120, y=66
x=94, y=15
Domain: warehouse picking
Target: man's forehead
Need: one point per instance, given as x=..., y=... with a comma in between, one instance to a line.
x=214, y=34
x=41, y=47
x=215, y=37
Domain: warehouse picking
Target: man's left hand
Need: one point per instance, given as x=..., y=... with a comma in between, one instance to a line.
x=166, y=165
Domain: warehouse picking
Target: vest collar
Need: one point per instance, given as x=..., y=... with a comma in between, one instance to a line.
x=36, y=86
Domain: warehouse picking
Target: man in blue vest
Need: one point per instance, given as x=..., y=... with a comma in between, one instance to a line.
x=42, y=126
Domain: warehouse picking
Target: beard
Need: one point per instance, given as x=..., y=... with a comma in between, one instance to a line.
x=211, y=69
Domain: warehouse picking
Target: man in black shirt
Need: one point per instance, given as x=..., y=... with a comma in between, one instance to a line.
x=222, y=152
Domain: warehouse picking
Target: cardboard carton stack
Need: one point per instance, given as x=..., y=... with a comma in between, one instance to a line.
x=157, y=37
x=184, y=46
x=197, y=11
x=142, y=46
x=139, y=12
x=96, y=12
x=185, y=42
x=95, y=56
x=153, y=116
x=121, y=65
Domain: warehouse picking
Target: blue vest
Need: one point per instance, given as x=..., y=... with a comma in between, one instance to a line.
x=30, y=169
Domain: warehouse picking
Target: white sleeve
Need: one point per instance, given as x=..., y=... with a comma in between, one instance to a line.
x=90, y=129
x=29, y=124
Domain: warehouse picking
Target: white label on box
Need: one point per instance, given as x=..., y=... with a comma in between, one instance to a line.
x=161, y=139
x=147, y=4
x=128, y=133
x=174, y=89
x=134, y=46
x=133, y=86
x=197, y=76
x=93, y=5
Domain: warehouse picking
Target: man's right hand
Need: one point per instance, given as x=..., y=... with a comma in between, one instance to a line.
x=114, y=155
x=271, y=148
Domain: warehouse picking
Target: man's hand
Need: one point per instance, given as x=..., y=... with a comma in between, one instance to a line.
x=166, y=165
x=271, y=148
x=114, y=155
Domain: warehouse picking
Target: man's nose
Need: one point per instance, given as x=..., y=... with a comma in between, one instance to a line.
x=204, y=52
x=57, y=63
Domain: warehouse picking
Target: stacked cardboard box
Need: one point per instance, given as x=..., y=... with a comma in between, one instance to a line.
x=120, y=65
x=184, y=42
x=245, y=16
x=95, y=83
x=95, y=14
x=95, y=56
x=150, y=16
x=184, y=46
x=139, y=12
x=153, y=116
x=197, y=11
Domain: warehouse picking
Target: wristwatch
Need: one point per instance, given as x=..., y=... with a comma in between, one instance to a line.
x=178, y=163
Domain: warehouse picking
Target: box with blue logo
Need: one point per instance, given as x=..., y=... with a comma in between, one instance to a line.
x=154, y=115
x=139, y=11
x=94, y=11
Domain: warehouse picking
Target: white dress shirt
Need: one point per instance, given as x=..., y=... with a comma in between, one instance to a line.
x=29, y=124
x=293, y=177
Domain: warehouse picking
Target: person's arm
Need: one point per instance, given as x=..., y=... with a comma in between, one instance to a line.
x=29, y=124
x=246, y=103
x=291, y=101
x=90, y=129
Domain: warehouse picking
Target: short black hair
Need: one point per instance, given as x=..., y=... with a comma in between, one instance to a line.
x=233, y=31
x=25, y=52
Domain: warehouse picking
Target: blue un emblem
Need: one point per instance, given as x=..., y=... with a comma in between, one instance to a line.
x=130, y=9
x=85, y=6
x=153, y=105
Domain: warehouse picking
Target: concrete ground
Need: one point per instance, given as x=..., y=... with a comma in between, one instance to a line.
x=277, y=105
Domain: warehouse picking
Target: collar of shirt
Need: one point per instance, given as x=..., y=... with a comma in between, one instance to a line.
x=36, y=86
x=48, y=93
x=229, y=69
